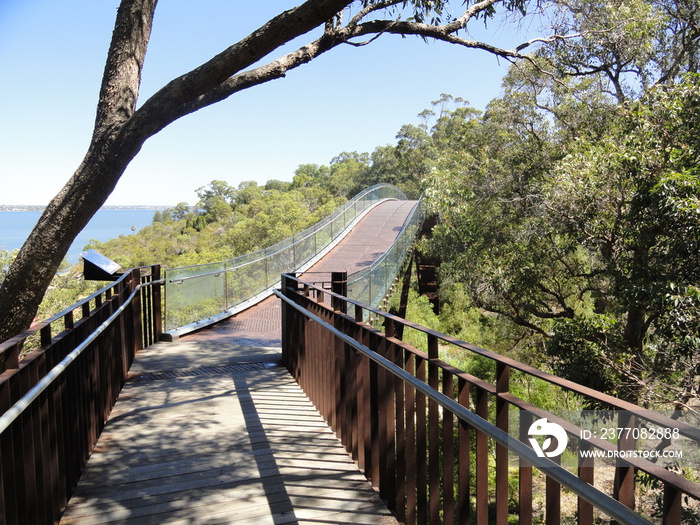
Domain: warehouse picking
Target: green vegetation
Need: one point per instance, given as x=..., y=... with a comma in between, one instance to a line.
x=585, y=243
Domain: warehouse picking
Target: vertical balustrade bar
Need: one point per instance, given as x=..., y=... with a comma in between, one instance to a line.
x=448, y=455
x=525, y=474
x=8, y=458
x=421, y=448
x=340, y=415
x=28, y=453
x=374, y=404
x=157, y=303
x=366, y=412
x=502, y=386
x=672, y=505
x=353, y=408
x=354, y=399
x=389, y=425
x=56, y=423
x=623, y=489
x=585, y=472
x=411, y=472
x=44, y=444
x=464, y=500
x=434, y=432
x=482, y=460
x=553, y=496
x=400, y=414
x=17, y=451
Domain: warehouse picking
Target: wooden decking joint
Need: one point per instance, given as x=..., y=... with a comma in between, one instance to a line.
x=202, y=371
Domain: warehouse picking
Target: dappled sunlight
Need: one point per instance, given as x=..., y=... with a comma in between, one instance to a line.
x=244, y=446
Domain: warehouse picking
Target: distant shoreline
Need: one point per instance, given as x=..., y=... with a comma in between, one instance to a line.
x=29, y=207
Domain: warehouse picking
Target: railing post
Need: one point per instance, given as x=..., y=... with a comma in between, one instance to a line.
x=585, y=472
x=157, y=303
x=525, y=474
x=482, y=459
x=396, y=356
x=464, y=474
x=137, y=343
x=672, y=505
x=421, y=447
x=448, y=452
x=434, y=430
x=623, y=489
x=553, y=498
x=339, y=285
x=502, y=386
x=288, y=286
x=411, y=471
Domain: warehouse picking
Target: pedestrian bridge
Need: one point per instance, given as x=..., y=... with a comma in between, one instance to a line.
x=272, y=389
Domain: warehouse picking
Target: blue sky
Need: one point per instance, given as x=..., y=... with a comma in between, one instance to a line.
x=352, y=99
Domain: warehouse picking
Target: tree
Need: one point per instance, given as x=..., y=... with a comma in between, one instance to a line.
x=122, y=127
x=180, y=211
x=630, y=45
x=591, y=242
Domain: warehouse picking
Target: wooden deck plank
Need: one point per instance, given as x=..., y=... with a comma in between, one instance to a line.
x=234, y=447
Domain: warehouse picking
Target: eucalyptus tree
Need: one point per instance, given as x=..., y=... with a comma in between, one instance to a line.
x=630, y=45
x=123, y=123
x=590, y=242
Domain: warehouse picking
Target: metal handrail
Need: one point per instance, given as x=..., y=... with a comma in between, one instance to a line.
x=685, y=429
x=600, y=500
x=23, y=403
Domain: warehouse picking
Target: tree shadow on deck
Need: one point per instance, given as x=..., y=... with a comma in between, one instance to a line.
x=232, y=448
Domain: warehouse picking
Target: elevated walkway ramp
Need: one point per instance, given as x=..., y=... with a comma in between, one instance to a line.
x=212, y=429
x=367, y=242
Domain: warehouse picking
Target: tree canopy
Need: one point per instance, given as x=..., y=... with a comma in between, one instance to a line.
x=570, y=208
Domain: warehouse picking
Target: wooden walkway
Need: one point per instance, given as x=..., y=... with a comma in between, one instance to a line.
x=211, y=431
x=230, y=440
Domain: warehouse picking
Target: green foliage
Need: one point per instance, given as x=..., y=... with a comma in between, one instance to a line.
x=6, y=258
x=588, y=240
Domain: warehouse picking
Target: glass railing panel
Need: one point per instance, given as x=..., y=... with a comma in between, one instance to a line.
x=193, y=295
x=245, y=282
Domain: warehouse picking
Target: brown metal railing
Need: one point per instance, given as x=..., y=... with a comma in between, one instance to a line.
x=54, y=401
x=433, y=439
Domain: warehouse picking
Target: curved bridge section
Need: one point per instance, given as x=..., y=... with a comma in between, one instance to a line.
x=202, y=295
x=371, y=253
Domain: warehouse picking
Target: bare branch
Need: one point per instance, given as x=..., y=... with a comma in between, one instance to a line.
x=547, y=40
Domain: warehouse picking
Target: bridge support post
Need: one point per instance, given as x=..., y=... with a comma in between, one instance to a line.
x=288, y=285
x=339, y=285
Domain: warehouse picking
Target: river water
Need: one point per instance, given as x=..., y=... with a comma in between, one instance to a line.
x=15, y=226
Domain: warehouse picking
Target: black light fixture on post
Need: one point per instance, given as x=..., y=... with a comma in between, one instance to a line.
x=97, y=267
